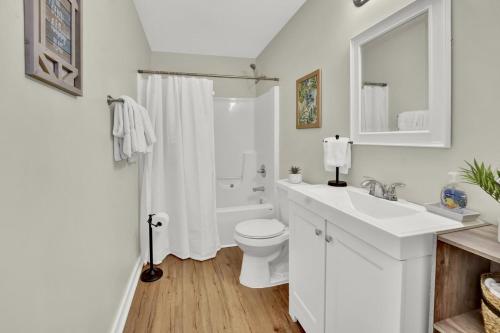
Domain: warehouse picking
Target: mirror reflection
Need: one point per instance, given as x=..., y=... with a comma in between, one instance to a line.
x=395, y=79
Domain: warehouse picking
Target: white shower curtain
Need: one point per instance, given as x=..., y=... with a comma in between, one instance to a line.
x=375, y=109
x=178, y=177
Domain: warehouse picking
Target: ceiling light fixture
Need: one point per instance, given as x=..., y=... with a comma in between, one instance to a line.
x=359, y=3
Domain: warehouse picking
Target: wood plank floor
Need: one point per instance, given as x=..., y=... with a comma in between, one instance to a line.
x=194, y=296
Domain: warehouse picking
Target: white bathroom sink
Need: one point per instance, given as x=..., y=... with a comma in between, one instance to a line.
x=361, y=201
x=380, y=208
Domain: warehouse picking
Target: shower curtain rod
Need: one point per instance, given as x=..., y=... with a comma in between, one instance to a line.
x=377, y=84
x=221, y=76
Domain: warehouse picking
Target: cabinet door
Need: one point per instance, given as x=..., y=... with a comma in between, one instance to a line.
x=307, y=268
x=363, y=286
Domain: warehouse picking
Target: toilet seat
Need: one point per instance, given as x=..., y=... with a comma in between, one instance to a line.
x=260, y=229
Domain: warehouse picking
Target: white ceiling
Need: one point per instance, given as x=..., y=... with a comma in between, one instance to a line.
x=237, y=28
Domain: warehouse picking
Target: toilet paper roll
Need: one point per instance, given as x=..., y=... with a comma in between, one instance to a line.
x=163, y=218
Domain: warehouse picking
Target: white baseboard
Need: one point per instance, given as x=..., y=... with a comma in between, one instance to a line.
x=122, y=314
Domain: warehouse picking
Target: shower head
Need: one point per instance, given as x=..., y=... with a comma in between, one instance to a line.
x=254, y=68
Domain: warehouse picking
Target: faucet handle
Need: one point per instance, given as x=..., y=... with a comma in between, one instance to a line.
x=391, y=191
x=393, y=186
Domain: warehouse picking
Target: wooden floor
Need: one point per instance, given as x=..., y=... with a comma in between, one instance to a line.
x=206, y=296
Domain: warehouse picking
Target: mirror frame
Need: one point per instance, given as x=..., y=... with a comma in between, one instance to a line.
x=439, y=133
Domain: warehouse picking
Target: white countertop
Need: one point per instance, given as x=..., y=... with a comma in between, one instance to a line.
x=420, y=223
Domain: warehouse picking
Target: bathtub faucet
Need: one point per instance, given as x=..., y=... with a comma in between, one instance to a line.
x=259, y=189
x=262, y=171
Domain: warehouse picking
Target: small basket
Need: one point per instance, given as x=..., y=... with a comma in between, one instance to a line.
x=490, y=305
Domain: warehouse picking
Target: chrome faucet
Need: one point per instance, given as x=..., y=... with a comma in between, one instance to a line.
x=376, y=188
x=379, y=190
x=259, y=189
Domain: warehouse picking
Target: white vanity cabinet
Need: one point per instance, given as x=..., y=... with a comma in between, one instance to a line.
x=307, y=248
x=363, y=286
x=340, y=283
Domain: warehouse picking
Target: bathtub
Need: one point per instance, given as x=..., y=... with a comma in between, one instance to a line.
x=228, y=218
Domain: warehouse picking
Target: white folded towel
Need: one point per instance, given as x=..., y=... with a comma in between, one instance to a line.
x=413, y=120
x=132, y=130
x=493, y=286
x=337, y=153
x=121, y=138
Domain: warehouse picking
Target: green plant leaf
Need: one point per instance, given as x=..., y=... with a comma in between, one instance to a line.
x=483, y=176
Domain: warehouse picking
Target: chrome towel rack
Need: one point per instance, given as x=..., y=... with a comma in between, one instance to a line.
x=112, y=100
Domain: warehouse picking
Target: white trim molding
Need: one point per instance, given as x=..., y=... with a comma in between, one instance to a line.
x=439, y=133
x=128, y=296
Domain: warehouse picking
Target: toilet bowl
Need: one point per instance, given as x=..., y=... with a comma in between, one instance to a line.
x=264, y=243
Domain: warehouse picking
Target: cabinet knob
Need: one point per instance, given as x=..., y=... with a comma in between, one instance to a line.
x=329, y=239
x=318, y=232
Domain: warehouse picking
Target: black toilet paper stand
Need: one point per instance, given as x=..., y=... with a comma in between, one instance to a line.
x=152, y=273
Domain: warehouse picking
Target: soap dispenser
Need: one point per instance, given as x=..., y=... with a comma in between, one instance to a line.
x=452, y=196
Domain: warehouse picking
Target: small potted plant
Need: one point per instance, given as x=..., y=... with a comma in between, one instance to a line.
x=295, y=177
x=484, y=177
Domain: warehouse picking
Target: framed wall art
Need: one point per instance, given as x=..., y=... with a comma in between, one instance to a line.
x=53, y=38
x=308, y=101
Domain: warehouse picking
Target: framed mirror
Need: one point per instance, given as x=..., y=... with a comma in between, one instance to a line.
x=401, y=78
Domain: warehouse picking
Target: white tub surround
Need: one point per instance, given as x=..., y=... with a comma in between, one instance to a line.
x=246, y=158
x=364, y=261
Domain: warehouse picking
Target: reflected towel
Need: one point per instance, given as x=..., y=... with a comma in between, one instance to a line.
x=413, y=120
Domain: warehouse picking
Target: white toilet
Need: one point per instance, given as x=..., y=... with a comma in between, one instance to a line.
x=264, y=243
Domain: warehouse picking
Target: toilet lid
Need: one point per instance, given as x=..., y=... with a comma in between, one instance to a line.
x=259, y=229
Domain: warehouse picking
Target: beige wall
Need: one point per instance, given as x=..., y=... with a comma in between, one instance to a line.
x=68, y=216
x=213, y=65
x=318, y=37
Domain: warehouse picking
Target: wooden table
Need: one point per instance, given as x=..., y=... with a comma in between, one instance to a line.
x=461, y=257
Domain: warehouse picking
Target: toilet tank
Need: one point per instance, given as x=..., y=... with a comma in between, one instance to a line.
x=282, y=203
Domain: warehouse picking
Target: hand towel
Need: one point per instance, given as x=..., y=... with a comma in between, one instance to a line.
x=118, y=133
x=134, y=142
x=337, y=153
x=138, y=142
x=127, y=138
x=144, y=133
